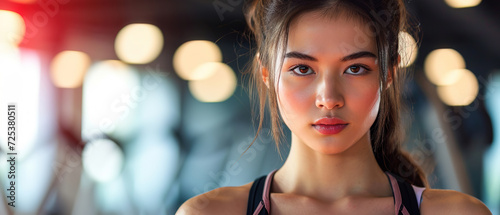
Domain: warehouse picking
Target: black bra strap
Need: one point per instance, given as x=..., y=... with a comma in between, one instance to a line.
x=409, y=200
x=255, y=195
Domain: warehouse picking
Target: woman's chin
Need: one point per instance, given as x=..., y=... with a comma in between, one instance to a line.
x=329, y=148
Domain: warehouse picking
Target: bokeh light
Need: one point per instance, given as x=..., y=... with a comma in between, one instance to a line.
x=111, y=92
x=12, y=27
x=192, y=54
x=462, y=3
x=439, y=66
x=216, y=88
x=68, y=69
x=102, y=160
x=205, y=70
x=462, y=92
x=139, y=43
x=407, y=49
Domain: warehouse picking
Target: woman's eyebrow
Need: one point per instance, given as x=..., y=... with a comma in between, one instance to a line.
x=299, y=55
x=357, y=55
x=352, y=56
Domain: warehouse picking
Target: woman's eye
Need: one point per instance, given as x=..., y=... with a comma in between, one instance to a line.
x=356, y=70
x=302, y=70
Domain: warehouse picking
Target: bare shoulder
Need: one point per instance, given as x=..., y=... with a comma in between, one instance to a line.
x=223, y=200
x=436, y=201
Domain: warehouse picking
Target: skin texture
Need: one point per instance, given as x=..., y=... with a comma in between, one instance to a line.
x=309, y=182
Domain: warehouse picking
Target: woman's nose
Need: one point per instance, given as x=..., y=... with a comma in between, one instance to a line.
x=329, y=95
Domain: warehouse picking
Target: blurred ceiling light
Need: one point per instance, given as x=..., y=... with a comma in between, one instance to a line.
x=139, y=43
x=216, y=88
x=12, y=27
x=462, y=3
x=462, y=92
x=102, y=160
x=68, y=69
x=407, y=49
x=205, y=70
x=192, y=54
x=440, y=62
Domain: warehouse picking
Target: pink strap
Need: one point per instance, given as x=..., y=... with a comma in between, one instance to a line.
x=418, y=193
x=405, y=212
x=259, y=208
x=267, y=189
x=397, y=194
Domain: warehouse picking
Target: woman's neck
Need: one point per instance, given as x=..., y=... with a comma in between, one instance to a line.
x=353, y=172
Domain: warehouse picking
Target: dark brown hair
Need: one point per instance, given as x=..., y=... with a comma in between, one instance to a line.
x=269, y=22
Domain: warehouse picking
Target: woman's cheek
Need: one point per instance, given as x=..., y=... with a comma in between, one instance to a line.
x=369, y=104
x=294, y=96
x=375, y=105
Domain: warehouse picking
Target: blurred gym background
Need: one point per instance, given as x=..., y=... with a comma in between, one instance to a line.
x=132, y=107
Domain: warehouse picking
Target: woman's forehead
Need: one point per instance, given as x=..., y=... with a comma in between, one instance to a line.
x=313, y=32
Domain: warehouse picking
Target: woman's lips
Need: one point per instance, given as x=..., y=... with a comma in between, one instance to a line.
x=329, y=125
x=330, y=129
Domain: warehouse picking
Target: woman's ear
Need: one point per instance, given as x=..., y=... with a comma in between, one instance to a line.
x=389, y=77
x=265, y=76
x=264, y=72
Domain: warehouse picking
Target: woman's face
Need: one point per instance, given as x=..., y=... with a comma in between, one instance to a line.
x=330, y=71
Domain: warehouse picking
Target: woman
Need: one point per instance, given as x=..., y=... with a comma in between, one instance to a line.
x=328, y=69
